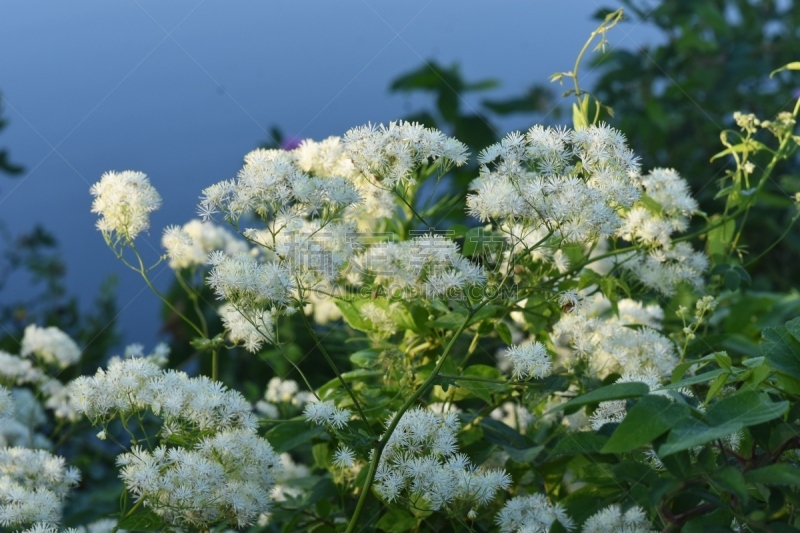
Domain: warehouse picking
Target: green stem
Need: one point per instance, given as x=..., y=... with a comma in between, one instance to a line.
x=373, y=465
x=134, y=508
x=777, y=241
x=214, y=365
x=143, y=272
x=335, y=370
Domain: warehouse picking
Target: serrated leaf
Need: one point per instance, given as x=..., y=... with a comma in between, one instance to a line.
x=651, y=417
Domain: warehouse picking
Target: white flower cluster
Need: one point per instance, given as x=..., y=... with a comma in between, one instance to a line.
x=421, y=458
x=328, y=158
x=249, y=327
x=430, y=264
x=529, y=360
x=248, y=283
x=7, y=407
x=190, y=245
x=124, y=202
x=610, y=346
x=51, y=345
x=159, y=356
x=326, y=413
x=270, y=181
x=390, y=155
x=666, y=264
x=317, y=253
x=280, y=393
x=613, y=520
x=226, y=476
x=572, y=182
x=664, y=269
x=531, y=514
x=186, y=404
x=654, y=228
x=33, y=486
x=23, y=416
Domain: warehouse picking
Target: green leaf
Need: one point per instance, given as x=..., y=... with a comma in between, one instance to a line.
x=481, y=389
x=504, y=332
x=651, y=417
x=396, y=521
x=502, y=435
x=716, y=386
x=793, y=327
x=144, y=520
x=523, y=456
x=732, y=480
x=580, y=443
x=719, y=238
x=681, y=369
x=449, y=321
x=743, y=409
x=289, y=435
x=352, y=317
x=778, y=474
x=617, y=391
x=746, y=408
x=365, y=358
x=689, y=433
x=782, y=349
x=749, y=145
x=694, y=380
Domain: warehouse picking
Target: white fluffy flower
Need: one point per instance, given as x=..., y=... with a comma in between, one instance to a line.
x=391, y=154
x=33, y=486
x=421, y=458
x=229, y=475
x=124, y=201
x=250, y=328
x=136, y=385
x=611, y=346
x=344, y=457
x=190, y=245
x=613, y=520
x=531, y=513
x=327, y=413
x=529, y=360
x=249, y=284
x=50, y=345
x=574, y=183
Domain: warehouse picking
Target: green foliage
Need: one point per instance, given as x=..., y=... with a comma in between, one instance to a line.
x=675, y=97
